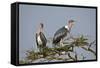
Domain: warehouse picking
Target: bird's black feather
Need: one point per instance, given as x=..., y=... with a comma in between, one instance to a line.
x=60, y=34
x=43, y=45
x=43, y=38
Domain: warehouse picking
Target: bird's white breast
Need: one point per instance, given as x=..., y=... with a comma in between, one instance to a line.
x=39, y=40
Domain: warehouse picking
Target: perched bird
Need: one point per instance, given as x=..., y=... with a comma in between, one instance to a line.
x=62, y=32
x=41, y=39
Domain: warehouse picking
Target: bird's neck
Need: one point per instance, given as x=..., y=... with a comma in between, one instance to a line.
x=39, y=30
x=67, y=27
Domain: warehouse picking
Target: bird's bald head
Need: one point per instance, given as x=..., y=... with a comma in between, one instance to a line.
x=41, y=25
x=70, y=23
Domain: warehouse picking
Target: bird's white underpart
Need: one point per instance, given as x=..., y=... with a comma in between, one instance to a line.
x=39, y=40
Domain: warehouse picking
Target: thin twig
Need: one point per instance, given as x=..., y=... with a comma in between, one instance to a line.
x=83, y=56
x=71, y=57
x=76, y=56
x=91, y=44
x=88, y=49
x=91, y=51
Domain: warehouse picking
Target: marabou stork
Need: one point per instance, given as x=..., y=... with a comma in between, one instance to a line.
x=41, y=39
x=62, y=33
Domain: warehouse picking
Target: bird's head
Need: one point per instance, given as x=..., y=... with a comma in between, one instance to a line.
x=70, y=23
x=40, y=28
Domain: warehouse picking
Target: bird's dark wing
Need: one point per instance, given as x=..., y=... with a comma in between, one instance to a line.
x=43, y=38
x=36, y=39
x=61, y=33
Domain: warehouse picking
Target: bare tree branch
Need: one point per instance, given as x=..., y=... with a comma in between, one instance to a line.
x=91, y=44
x=88, y=49
x=71, y=57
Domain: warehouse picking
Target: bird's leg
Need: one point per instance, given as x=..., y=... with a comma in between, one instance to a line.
x=40, y=50
x=61, y=42
x=44, y=52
